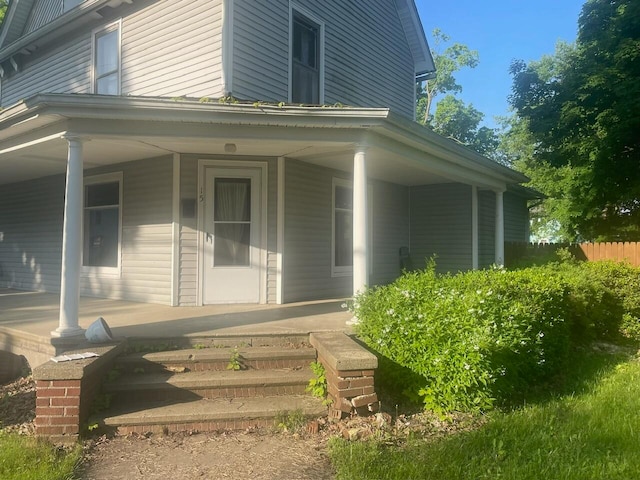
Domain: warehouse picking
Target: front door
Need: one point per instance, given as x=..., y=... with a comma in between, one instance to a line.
x=232, y=235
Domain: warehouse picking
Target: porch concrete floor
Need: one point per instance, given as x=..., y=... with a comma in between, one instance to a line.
x=36, y=313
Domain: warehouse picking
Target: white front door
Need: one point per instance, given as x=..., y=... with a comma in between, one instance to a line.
x=232, y=235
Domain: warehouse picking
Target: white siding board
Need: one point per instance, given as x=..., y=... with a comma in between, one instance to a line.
x=65, y=69
x=31, y=234
x=185, y=51
x=307, y=242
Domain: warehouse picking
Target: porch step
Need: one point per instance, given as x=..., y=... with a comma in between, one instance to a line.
x=211, y=415
x=136, y=388
x=258, y=358
x=192, y=389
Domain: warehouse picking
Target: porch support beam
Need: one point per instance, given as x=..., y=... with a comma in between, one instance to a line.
x=474, y=227
x=360, y=253
x=71, y=243
x=499, y=249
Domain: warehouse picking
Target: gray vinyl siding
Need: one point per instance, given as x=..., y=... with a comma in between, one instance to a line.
x=31, y=220
x=486, y=228
x=146, y=234
x=516, y=218
x=261, y=49
x=367, y=59
x=63, y=69
x=180, y=57
x=188, y=267
x=391, y=227
x=31, y=216
x=307, y=237
x=272, y=230
x=43, y=12
x=441, y=226
x=173, y=48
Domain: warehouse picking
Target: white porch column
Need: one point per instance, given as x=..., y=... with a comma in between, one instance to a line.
x=474, y=227
x=499, y=249
x=71, y=244
x=360, y=254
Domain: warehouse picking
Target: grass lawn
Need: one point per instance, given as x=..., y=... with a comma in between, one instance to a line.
x=27, y=458
x=591, y=435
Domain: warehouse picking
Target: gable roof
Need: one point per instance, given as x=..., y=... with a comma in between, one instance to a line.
x=413, y=30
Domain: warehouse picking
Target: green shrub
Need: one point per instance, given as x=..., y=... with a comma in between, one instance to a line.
x=462, y=342
x=472, y=337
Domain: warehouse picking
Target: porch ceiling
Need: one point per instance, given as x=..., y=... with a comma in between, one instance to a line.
x=122, y=129
x=48, y=157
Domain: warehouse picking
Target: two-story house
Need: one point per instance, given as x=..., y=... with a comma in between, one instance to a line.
x=190, y=152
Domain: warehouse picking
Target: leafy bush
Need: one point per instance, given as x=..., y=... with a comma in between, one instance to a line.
x=479, y=337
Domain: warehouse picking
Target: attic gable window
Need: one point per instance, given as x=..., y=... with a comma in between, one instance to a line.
x=106, y=60
x=306, y=60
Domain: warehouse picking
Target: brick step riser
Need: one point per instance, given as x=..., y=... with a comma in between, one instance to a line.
x=149, y=367
x=178, y=394
x=198, y=426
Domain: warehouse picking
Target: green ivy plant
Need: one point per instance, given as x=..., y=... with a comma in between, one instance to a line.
x=318, y=383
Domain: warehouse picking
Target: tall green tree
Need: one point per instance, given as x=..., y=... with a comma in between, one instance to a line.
x=447, y=60
x=581, y=108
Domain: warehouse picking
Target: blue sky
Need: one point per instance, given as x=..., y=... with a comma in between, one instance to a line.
x=501, y=30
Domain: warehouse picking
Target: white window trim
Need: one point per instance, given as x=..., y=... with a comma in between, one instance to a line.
x=115, y=272
x=348, y=271
x=338, y=271
x=293, y=7
x=117, y=25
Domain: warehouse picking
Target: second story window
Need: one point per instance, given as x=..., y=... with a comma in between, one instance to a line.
x=306, y=60
x=106, y=56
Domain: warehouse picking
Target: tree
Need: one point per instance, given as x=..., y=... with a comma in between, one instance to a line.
x=581, y=108
x=450, y=60
x=461, y=122
x=3, y=10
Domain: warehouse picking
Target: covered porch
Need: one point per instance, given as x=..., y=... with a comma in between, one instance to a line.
x=27, y=319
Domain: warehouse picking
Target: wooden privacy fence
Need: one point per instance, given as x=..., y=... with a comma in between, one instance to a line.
x=516, y=252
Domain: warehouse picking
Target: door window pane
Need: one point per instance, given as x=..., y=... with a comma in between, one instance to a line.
x=232, y=222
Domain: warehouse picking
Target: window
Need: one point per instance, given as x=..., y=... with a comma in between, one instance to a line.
x=342, y=241
x=102, y=223
x=306, y=60
x=342, y=228
x=106, y=65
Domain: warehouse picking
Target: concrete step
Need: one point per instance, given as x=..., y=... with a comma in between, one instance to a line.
x=259, y=358
x=137, y=388
x=210, y=414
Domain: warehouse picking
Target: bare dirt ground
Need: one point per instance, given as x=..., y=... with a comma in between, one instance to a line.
x=256, y=455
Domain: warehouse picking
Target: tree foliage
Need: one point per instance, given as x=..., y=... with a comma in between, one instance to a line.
x=580, y=108
x=447, y=62
x=3, y=9
x=453, y=118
